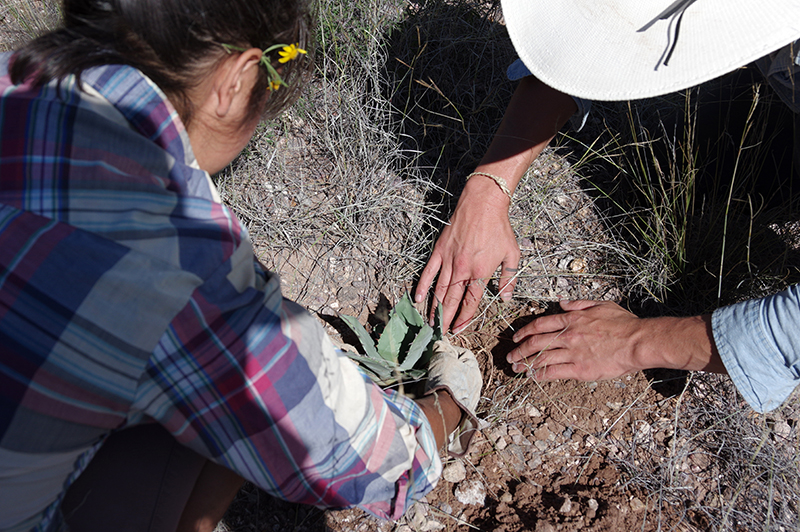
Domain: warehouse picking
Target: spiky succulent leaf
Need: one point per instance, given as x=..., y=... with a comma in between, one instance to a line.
x=417, y=347
x=438, y=334
x=405, y=341
x=363, y=336
x=408, y=312
x=414, y=374
x=438, y=329
x=378, y=370
x=391, y=341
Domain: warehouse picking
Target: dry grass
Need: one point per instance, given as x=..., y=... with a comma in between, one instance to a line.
x=330, y=194
x=21, y=20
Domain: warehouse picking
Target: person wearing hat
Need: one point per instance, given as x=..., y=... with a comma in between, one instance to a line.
x=572, y=51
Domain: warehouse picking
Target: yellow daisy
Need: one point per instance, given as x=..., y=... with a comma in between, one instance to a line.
x=289, y=52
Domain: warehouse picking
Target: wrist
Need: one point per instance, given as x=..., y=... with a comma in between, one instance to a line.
x=501, y=182
x=485, y=190
x=677, y=343
x=443, y=413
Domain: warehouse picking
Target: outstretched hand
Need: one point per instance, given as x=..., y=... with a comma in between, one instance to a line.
x=599, y=340
x=468, y=252
x=592, y=340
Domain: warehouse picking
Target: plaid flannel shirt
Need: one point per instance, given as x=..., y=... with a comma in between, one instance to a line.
x=129, y=295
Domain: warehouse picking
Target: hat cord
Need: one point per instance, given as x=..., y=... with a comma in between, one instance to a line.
x=674, y=12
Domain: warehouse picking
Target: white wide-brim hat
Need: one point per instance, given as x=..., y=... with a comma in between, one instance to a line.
x=628, y=49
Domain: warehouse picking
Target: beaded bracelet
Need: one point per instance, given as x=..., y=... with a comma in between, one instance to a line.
x=497, y=179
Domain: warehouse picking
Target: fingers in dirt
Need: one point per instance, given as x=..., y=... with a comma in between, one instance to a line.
x=451, y=302
x=427, y=277
x=469, y=304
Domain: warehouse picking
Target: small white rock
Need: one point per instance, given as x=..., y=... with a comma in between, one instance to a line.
x=593, y=505
x=577, y=266
x=431, y=526
x=455, y=472
x=471, y=492
x=519, y=439
x=782, y=429
x=417, y=515
x=534, y=412
x=545, y=526
x=566, y=507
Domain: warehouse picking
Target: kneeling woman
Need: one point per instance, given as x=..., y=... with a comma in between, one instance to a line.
x=147, y=361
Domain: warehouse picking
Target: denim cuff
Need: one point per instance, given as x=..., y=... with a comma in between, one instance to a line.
x=759, y=343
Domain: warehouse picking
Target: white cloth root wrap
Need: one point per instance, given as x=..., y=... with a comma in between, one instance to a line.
x=455, y=369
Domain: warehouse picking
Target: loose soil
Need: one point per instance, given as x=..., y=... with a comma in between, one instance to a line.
x=550, y=456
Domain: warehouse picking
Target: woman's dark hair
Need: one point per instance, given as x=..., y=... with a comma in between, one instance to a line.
x=173, y=42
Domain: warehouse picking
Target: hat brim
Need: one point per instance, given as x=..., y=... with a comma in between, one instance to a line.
x=598, y=50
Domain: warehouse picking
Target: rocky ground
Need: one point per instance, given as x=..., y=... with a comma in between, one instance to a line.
x=602, y=456
x=554, y=456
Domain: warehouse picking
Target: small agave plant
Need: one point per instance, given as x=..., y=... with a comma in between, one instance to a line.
x=404, y=347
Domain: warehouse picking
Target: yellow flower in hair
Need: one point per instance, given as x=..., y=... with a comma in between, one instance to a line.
x=289, y=52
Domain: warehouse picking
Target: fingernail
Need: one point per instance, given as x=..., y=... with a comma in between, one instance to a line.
x=418, y=298
x=506, y=297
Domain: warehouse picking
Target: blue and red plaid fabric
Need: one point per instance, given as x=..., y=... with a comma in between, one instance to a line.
x=129, y=295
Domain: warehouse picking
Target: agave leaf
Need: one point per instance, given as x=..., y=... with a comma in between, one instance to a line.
x=414, y=374
x=438, y=329
x=417, y=347
x=374, y=367
x=363, y=336
x=374, y=377
x=438, y=334
x=406, y=309
x=391, y=340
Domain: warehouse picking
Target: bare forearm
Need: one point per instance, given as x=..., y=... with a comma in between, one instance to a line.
x=443, y=414
x=678, y=343
x=533, y=117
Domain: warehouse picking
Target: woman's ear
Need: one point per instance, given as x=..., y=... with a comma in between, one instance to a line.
x=237, y=75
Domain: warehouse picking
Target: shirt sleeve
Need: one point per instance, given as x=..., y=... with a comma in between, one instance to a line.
x=252, y=381
x=517, y=70
x=759, y=343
